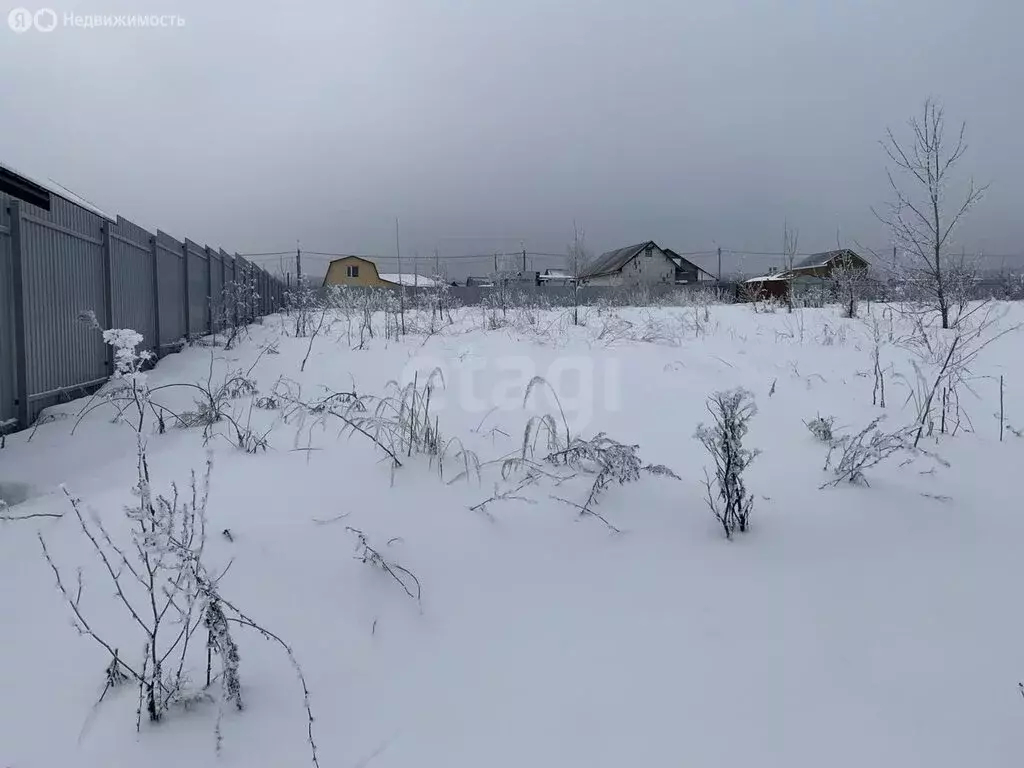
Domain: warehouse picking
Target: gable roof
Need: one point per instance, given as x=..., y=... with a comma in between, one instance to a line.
x=824, y=258
x=613, y=261
x=677, y=257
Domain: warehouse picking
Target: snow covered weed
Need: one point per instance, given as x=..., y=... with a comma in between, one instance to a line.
x=728, y=498
x=401, y=423
x=163, y=584
x=160, y=580
x=128, y=388
x=601, y=459
x=943, y=365
x=405, y=578
x=869, y=448
x=237, y=300
x=864, y=450
x=822, y=428
x=132, y=398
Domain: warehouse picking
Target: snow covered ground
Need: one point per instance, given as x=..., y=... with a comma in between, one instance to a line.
x=852, y=626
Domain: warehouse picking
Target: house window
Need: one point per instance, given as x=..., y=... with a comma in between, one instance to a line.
x=352, y=270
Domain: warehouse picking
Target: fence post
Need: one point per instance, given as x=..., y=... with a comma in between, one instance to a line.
x=1001, y=413
x=234, y=290
x=209, y=290
x=188, y=314
x=155, y=251
x=108, y=289
x=20, y=344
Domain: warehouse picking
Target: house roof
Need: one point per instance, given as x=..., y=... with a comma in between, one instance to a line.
x=59, y=190
x=555, y=274
x=613, y=261
x=677, y=257
x=824, y=258
x=408, y=279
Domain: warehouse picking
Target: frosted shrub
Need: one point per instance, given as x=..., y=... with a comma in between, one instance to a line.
x=401, y=423
x=303, y=303
x=601, y=458
x=128, y=388
x=728, y=498
x=850, y=455
x=239, y=298
x=440, y=302
x=160, y=579
x=821, y=428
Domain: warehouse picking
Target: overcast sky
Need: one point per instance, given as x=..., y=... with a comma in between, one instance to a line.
x=481, y=123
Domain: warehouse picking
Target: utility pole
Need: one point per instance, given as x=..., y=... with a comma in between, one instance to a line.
x=298, y=264
x=719, y=265
x=401, y=282
x=437, y=263
x=415, y=269
x=524, y=257
x=398, y=251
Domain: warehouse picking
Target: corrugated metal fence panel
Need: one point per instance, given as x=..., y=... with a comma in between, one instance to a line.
x=229, y=265
x=257, y=277
x=198, y=290
x=251, y=308
x=171, y=279
x=217, y=288
x=131, y=269
x=63, y=272
x=242, y=275
x=7, y=392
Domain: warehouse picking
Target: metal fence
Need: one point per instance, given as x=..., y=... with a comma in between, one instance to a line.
x=57, y=265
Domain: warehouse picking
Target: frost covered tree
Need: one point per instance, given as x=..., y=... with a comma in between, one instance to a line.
x=304, y=303
x=790, y=249
x=848, y=283
x=728, y=497
x=921, y=215
x=440, y=300
x=238, y=297
x=576, y=263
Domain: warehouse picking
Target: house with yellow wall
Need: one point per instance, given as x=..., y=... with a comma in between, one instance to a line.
x=353, y=270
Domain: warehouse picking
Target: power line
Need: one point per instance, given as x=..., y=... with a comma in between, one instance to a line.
x=290, y=256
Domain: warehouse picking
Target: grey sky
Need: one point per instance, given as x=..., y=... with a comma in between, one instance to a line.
x=481, y=123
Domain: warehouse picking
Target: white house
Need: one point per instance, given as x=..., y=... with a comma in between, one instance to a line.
x=641, y=264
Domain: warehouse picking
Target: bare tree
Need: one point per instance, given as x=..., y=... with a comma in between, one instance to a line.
x=848, y=279
x=576, y=263
x=920, y=216
x=790, y=248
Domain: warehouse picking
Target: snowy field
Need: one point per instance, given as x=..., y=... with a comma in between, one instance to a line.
x=869, y=624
